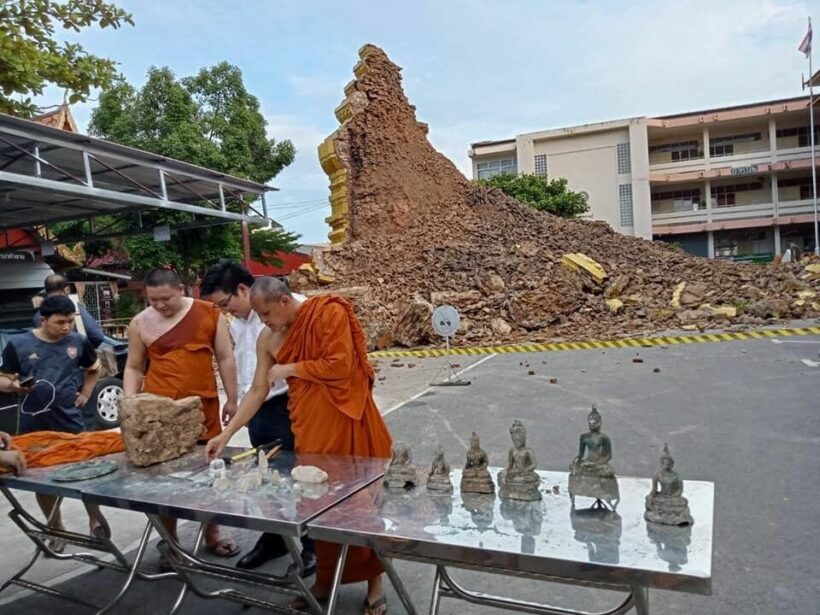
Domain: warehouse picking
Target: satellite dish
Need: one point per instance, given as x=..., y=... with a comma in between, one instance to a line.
x=445, y=320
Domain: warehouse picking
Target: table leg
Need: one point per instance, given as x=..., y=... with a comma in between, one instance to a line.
x=200, y=536
x=435, y=599
x=132, y=574
x=641, y=597
x=296, y=577
x=24, y=569
x=337, y=579
x=387, y=564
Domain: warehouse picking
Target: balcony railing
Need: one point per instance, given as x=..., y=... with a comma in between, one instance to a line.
x=663, y=161
x=734, y=212
x=795, y=207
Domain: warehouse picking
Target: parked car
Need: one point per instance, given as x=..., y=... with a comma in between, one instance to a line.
x=102, y=408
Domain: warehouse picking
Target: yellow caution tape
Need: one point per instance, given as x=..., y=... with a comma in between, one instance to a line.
x=605, y=344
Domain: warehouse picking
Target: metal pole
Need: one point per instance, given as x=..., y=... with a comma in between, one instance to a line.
x=162, y=185
x=813, y=163
x=89, y=178
x=246, y=246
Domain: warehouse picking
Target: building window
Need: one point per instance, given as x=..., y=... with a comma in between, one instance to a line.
x=488, y=169
x=686, y=150
x=725, y=247
x=625, y=204
x=683, y=200
x=803, y=183
x=725, y=196
x=725, y=146
x=541, y=165
x=722, y=149
x=742, y=243
x=802, y=134
x=624, y=158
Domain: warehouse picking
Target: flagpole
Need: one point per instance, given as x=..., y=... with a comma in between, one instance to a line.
x=813, y=163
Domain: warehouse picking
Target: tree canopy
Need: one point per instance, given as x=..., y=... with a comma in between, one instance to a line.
x=31, y=57
x=209, y=119
x=551, y=196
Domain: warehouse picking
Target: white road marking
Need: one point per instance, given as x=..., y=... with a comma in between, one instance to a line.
x=811, y=363
x=417, y=395
x=777, y=341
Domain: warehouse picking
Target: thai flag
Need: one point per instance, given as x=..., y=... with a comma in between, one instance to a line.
x=805, y=45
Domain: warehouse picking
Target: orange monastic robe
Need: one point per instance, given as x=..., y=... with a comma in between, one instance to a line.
x=180, y=363
x=331, y=405
x=50, y=448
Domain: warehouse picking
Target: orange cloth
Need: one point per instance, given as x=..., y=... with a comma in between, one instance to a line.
x=180, y=363
x=50, y=448
x=331, y=405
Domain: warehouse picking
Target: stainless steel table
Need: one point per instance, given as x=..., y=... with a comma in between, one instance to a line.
x=182, y=488
x=37, y=480
x=546, y=540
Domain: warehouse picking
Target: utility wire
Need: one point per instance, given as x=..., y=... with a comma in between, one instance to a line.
x=296, y=214
x=296, y=203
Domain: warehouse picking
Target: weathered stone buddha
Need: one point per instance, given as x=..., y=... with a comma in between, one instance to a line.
x=475, y=478
x=665, y=504
x=439, y=478
x=519, y=480
x=401, y=472
x=590, y=473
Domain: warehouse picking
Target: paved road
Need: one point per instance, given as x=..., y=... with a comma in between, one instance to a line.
x=741, y=414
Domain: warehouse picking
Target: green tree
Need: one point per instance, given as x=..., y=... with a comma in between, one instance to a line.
x=551, y=196
x=31, y=57
x=210, y=120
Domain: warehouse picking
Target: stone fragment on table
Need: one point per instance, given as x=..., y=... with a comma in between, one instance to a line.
x=308, y=474
x=156, y=429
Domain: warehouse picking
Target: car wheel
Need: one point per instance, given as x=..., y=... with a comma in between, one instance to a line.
x=103, y=407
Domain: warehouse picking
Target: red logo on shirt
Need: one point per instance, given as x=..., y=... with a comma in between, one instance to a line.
x=72, y=352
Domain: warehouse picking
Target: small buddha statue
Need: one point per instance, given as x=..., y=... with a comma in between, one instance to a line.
x=598, y=449
x=401, y=472
x=665, y=504
x=519, y=480
x=439, y=477
x=590, y=472
x=475, y=478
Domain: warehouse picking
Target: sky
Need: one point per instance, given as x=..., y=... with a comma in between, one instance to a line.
x=475, y=69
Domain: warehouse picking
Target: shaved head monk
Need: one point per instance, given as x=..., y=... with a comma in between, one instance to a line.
x=318, y=345
x=180, y=337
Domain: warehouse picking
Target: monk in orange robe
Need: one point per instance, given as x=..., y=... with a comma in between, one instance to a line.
x=179, y=337
x=318, y=345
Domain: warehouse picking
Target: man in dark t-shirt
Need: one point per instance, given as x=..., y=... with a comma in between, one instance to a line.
x=64, y=365
x=60, y=367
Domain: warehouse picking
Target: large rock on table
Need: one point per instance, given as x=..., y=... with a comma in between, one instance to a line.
x=157, y=429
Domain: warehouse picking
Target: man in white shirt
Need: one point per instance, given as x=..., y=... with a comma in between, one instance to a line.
x=228, y=284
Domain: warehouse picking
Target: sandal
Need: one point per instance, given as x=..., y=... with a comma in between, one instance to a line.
x=225, y=547
x=101, y=532
x=375, y=608
x=299, y=603
x=164, y=562
x=56, y=545
x=165, y=565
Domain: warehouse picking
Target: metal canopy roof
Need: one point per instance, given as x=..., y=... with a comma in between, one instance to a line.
x=49, y=175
